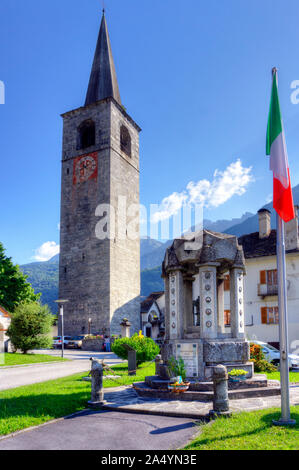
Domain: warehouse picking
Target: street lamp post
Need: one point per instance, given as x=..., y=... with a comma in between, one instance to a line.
x=89, y=325
x=61, y=303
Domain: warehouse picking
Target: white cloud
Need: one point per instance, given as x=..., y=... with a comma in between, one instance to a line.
x=46, y=251
x=225, y=184
x=169, y=206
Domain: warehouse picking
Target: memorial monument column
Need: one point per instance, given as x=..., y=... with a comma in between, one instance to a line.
x=220, y=300
x=237, y=317
x=208, y=301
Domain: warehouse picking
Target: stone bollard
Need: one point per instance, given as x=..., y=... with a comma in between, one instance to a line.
x=97, y=392
x=158, y=363
x=220, y=401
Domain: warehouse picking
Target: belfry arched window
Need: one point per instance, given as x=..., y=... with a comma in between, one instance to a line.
x=125, y=140
x=86, y=134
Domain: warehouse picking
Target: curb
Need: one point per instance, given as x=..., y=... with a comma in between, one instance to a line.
x=35, y=364
x=171, y=414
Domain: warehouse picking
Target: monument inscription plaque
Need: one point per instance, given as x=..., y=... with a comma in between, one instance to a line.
x=189, y=353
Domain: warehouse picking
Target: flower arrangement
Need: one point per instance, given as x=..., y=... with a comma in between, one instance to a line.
x=237, y=372
x=177, y=369
x=236, y=375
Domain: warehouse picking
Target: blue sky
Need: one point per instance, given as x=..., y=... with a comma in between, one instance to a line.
x=195, y=75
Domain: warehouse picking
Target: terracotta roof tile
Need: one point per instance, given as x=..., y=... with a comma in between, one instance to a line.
x=5, y=314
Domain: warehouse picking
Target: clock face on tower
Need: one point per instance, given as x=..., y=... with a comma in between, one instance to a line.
x=85, y=168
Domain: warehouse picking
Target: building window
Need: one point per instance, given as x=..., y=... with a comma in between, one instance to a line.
x=125, y=141
x=268, y=282
x=86, y=134
x=227, y=318
x=269, y=277
x=269, y=315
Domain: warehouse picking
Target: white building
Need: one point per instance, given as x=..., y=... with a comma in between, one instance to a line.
x=4, y=324
x=260, y=288
x=260, y=283
x=152, y=315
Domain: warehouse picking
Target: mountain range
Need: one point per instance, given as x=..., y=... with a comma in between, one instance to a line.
x=44, y=275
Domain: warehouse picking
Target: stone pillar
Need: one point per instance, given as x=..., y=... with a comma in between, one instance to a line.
x=208, y=302
x=125, y=328
x=220, y=302
x=237, y=315
x=97, y=391
x=188, y=303
x=158, y=362
x=176, y=305
x=220, y=400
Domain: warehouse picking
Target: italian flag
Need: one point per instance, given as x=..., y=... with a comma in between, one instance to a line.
x=276, y=148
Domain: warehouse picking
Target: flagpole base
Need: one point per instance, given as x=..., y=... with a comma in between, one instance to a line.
x=284, y=422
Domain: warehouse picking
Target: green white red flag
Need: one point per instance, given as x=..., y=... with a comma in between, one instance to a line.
x=276, y=148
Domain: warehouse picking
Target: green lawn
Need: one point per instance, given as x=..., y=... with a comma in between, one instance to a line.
x=122, y=370
x=248, y=431
x=31, y=405
x=294, y=376
x=9, y=359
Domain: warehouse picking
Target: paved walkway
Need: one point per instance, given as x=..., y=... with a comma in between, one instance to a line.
x=126, y=399
x=106, y=430
x=130, y=422
x=25, y=375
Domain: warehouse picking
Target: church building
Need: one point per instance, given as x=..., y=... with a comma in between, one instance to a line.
x=99, y=272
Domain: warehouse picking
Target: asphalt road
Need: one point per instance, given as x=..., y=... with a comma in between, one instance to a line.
x=106, y=430
x=12, y=377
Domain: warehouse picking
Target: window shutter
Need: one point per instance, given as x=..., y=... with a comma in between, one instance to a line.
x=263, y=277
x=227, y=283
x=264, y=315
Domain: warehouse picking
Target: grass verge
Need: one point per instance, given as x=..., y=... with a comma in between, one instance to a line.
x=248, y=431
x=122, y=370
x=294, y=376
x=35, y=404
x=16, y=359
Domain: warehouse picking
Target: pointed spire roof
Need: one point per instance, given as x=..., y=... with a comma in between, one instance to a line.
x=103, y=81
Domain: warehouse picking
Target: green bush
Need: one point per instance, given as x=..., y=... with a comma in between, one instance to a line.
x=258, y=358
x=30, y=327
x=263, y=366
x=146, y=348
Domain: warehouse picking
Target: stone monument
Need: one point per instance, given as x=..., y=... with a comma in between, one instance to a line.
x=198, y=335
x=196, y=330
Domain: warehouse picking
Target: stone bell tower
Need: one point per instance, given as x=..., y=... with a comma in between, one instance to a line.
x=99, y=272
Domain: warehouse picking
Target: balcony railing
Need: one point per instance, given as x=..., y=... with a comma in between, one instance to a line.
x=266, y=289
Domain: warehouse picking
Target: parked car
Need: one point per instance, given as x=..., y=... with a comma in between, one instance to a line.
x=57, y=341
x=273, y=355
x=76, y=342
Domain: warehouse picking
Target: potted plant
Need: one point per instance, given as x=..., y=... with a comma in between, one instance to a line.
x=236, y=375
x=177, y=372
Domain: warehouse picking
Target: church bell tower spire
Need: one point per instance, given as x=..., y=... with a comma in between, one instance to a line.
x=103, y=81
x=99, y=268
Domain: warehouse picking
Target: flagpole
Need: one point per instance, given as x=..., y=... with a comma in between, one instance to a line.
x=285, y=419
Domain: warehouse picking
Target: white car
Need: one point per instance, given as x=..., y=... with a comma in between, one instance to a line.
x=273, y=355
x=57, y=343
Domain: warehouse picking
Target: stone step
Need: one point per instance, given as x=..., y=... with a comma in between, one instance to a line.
x=144, y=390
x=255, y=382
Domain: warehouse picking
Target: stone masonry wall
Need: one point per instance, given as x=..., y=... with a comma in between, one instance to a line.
x=98, y=277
